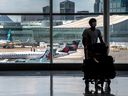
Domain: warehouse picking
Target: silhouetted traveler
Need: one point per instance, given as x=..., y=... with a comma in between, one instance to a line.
x=90, y=37
x=98, y=66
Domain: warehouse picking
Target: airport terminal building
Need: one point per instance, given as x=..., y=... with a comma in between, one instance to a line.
x=66, y=32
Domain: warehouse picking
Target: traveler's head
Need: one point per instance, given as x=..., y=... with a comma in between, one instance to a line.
x=92, y=22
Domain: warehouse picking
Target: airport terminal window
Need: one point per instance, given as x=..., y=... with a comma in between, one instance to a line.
x=118, y=38
x=23, y=6
x=118, y=31
x=32, y=32
x=118, y=6
x=67, y=37
x=76, y=6
x=24, y=39
x=67, y=28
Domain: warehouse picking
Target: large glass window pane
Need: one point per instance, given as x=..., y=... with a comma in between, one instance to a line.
x=24, y=6
x=24, y=39
x=119, y=38
x=121, y=5
x=67, y=36
x=68, y=83
x=76, y=6
x=27, y=84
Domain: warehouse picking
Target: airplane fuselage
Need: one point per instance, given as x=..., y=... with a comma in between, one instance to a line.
x=19, y=55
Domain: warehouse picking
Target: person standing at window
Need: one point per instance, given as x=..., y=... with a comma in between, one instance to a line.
x=90, y=36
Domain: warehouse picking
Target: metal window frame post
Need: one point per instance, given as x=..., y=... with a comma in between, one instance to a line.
x=106, y=21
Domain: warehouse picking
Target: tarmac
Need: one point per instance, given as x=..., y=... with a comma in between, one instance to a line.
x=120, y=56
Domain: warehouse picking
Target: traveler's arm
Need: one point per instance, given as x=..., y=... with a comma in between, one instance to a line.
x=84, y=39
x=100, y=37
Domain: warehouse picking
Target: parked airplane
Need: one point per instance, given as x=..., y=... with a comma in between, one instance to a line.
x=9, y=43
x=119, y=45
x=4, y=61
x=68, y=48
x=45, y=58
x=20, y=55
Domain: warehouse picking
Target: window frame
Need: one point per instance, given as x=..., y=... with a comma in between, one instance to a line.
x=56, y=66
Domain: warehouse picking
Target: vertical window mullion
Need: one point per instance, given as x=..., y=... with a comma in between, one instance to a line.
x=106, y=21
x=51, y=31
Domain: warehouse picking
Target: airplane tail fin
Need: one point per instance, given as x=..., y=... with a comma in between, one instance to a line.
x=47, y=55
x=75, y=45
x=9, y=36
x=65, y=49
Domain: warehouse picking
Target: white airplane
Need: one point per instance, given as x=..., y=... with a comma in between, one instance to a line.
x=67, y=49
x=119, y=45
x=4, y=61
x=20, y=55
x=45, y=58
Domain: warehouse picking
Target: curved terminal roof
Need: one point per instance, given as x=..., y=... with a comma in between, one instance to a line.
x=5, y=18
x=83, y=23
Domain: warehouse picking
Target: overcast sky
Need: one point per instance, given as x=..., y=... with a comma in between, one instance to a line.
x=35, y=6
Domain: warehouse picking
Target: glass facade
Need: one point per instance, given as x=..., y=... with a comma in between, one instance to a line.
x=27, y=37
x=68, y=32
x=75, y=6
x=24, y=41
x=118, y=38
x=115, y=6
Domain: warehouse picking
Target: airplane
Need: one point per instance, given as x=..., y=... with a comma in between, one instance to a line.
x=7, y=43
x=4, y=61
x=45, y=58
x=39, y=57
x=68, y=49
x=118, y=45
x=20, y=55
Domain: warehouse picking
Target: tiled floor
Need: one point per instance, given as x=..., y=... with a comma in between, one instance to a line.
x=42, y=83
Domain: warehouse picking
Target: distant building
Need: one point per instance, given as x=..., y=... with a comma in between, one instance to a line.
x=46, y=9
x=96, y=6
x=7, y=25
x=5, y=18
x=116, y=6
x=81, y=16
x=31, y=18
x=67, y=7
